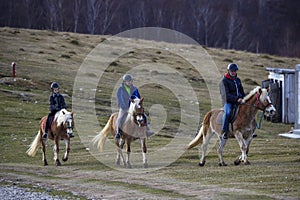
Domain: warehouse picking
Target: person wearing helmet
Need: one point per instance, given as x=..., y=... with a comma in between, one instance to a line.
x=232, y=93
x=126, y=91
x=57, y=102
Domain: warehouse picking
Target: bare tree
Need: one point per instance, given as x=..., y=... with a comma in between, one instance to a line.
x=76, y=13
x=107, y=15
x=236, y=30
x=93, y=9
x=60, y=13
x=196, y=18
x=52, y=14
x=158, y=13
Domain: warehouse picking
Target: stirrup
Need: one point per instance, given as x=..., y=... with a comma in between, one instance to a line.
x=45, y=135
x=225, y=136
x=118, y=135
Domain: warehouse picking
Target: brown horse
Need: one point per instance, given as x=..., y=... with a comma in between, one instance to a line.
x=61, y=127
x=134, y=128
x=242, y=128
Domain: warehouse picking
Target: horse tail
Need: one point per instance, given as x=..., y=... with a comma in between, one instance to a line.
x=34, y=145
x=102, y=136
x=203, y=130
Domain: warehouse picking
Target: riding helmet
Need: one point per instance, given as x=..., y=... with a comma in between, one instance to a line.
x=232, y=67
x=127, y=77
x=54, y=85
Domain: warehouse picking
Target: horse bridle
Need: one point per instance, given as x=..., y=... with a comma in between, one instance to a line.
x=70, y=123
x=258, y=102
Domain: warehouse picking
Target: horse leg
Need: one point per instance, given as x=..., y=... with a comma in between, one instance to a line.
x=248, y=141
x=222, y=144
x=120, y=155
x=67, y=142
x=56, y=151
x=144, y=151
x=244, y=149
x=44, y=152
x=206, y=139
x=128, y=153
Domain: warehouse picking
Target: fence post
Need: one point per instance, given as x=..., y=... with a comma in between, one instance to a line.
x=13, y=68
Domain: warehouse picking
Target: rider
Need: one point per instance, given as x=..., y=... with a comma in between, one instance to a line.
x=126, y=91
x=232, y=92
x=57, y=102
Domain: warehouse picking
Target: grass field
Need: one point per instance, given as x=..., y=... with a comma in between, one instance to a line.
x=46, y=56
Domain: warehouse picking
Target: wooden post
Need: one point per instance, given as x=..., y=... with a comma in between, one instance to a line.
x=13, y=67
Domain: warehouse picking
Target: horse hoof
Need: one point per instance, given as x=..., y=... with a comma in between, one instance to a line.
x=45, y=163
x=246, y=162
x=65, y=159
x=57, y=163
x=237, y=162
x=201, y=164
x=222, y=164
x=145, y=165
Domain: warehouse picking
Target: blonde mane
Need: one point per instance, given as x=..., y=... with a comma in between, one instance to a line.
x=62, y=116
x=251, y=93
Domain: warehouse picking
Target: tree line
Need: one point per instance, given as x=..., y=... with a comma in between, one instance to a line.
x=260, y=26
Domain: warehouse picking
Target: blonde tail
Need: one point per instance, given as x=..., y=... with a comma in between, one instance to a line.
x=34, y=145
x=197, y=139
x=102, y=136
x=203, y=130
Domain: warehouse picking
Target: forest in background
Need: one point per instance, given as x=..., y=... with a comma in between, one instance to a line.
x=259, y=26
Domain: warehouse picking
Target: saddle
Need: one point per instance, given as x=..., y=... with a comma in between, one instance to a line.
x=44, y=121
x=232, y=116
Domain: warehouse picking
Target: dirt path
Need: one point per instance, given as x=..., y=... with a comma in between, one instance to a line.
x=110, y=184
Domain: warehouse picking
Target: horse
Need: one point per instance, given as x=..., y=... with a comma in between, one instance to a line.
x=134, y=128
x=242, y=128
x=61, y=127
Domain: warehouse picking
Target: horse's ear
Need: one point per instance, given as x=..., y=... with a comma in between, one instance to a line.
x=63, y=112
x=142, y=99
x=132, y=100
x=260, y=90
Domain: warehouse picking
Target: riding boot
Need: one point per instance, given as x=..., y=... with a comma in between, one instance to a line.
x=224, y=135
x=45, y=135
x=149, y=132
x=118, y=135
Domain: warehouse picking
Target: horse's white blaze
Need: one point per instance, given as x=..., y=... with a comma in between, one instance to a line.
x=69, y=126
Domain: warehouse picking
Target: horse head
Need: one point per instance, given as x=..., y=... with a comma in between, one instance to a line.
x=65, y=118
x=262, y=100
x=137, y=110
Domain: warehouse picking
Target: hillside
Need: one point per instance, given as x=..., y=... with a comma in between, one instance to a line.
x=71, y=59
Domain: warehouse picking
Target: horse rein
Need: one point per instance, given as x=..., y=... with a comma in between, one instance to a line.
x=258, y=102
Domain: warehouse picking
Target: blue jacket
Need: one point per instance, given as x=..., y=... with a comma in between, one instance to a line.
x=57, y=102
x=231, y=89
x=123, y=96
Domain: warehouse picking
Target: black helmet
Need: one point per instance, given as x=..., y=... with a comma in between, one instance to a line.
x=54, y=85
x=127, y=77
x=232, y=67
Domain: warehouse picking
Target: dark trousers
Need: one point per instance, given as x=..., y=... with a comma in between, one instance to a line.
x=49, y=120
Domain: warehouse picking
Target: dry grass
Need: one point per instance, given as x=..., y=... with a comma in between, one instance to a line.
x=46, y=56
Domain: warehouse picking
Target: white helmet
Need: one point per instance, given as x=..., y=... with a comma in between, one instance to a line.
x=127, y=77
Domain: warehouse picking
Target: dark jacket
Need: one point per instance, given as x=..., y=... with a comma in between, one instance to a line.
x=123, y=96
x=231, y=89
x=57, y=102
